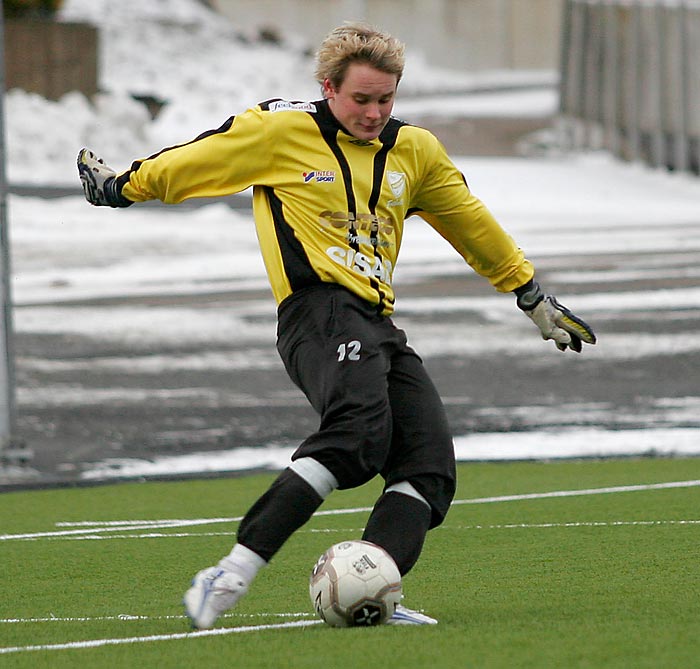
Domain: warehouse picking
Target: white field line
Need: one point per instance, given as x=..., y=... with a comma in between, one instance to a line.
x=146, y=535
x=583, y=523
x=127, y=617
x=101, y=527
x=129, y=525
x=346, y=530
x=576, y=493
x=130, y=617
x=97, y=643
x=121, y=525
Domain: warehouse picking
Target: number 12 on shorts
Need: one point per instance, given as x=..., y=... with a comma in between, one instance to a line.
x=349, y=351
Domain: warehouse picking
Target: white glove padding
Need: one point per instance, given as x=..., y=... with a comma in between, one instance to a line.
x=556, y=322
x=97, y=179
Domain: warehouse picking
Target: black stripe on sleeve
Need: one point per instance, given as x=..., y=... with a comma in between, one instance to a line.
x=124, y=178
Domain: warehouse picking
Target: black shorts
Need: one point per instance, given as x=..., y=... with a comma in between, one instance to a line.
x=380, y=412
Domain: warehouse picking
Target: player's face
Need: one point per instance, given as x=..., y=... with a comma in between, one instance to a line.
x=363, y=102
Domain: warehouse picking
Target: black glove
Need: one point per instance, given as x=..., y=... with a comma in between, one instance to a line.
x=553, y=319
x=98, y=181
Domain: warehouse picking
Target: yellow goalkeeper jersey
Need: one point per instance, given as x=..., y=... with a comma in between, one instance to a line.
x=329, y=207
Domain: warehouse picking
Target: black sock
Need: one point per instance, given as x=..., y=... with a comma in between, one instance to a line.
x=398, y=523
x=284, y=508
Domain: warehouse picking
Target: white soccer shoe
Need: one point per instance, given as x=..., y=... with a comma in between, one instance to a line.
x=213, y=591
x=405, y=616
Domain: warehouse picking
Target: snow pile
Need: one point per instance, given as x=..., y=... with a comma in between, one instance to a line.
x=195, y=63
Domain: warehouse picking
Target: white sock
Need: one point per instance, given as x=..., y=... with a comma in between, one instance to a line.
x=244, y=562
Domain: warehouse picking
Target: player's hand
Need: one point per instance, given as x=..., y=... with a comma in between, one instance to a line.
x=554, y=320
x=97, y=179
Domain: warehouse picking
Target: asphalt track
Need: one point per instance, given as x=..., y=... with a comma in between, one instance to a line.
x=208, y=406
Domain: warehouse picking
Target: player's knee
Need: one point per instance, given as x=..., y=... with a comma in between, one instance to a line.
x=437, y=491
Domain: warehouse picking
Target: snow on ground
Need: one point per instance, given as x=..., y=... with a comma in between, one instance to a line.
x=494, y=446
x=205, y=70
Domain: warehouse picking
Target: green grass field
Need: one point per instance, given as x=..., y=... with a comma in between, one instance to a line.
x=605, y=579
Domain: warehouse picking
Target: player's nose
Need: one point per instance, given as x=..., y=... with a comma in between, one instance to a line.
x=373, y=111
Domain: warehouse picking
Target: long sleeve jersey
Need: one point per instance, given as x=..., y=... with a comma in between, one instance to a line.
x=329, y=207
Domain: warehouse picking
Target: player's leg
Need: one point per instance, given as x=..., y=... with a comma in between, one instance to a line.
x=331, y=347
x=286, y=506
x=337, y=349
x=420, y=469
x=398, y=523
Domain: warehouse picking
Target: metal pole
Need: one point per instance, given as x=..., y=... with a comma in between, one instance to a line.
x=636, y=98
x=596, y=70
x=565, y=58
x=658, y=51
x=7, y=396
x=682, y=139
x=611, y=50
x=564, y=121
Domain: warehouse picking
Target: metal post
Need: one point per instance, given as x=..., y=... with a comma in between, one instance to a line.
x=636, y=98
x=682, y=143
x=565, y=58
x=573, y=98
x=613, y=80
x=7, y=398
x=595, y=75
x=564, y=121
x=658, y=47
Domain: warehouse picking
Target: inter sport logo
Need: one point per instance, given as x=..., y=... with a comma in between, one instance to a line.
x=319, y=176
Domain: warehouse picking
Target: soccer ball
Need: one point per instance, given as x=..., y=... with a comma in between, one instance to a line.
x=355, y=583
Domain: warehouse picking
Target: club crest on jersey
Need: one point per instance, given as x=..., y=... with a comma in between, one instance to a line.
x=397, y=182
x=319, y=176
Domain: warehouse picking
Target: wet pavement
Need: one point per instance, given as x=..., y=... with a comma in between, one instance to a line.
x=82, y=400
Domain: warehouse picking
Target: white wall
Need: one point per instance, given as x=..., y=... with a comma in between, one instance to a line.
x=463, y=34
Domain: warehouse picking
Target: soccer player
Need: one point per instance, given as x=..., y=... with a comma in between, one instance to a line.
x=333, y=181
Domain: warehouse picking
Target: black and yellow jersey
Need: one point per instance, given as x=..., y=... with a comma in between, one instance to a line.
x=329, y=207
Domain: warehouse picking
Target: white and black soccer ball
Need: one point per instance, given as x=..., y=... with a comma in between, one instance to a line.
x=354, y=584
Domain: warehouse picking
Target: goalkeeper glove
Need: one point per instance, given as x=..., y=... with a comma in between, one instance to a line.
x=553, y=319
x=99, y=183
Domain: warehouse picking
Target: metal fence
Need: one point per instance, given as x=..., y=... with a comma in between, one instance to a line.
x=630, y=79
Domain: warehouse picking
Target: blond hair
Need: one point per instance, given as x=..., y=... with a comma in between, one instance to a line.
x=358, y=42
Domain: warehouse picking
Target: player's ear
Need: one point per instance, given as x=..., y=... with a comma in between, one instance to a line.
x=329, y=90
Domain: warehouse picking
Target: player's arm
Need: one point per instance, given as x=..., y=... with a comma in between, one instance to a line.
x=216, y=163
x=493, y=254
x=469, y=226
